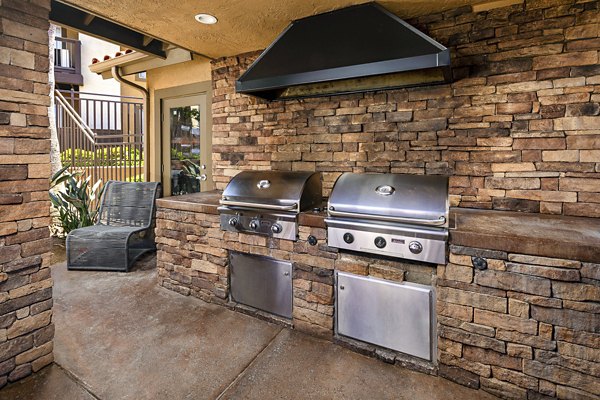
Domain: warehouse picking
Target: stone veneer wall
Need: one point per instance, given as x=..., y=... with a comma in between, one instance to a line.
x=525, y=328
x=26, y=331
x=518, y=129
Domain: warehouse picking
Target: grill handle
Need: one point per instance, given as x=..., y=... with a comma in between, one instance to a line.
x=256, y=205
x=420, y=221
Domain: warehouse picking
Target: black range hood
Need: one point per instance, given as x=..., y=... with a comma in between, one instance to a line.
x=355, y=49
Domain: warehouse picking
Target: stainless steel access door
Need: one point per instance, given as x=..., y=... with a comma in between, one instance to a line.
x=261, y=282
x=392, y=315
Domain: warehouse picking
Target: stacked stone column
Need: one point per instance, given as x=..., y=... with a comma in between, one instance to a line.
x=26, y=329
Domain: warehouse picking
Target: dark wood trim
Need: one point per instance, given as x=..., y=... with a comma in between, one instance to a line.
x=75, y=18
x=69, y=78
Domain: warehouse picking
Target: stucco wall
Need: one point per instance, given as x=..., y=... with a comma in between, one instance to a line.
x=96, y=48
x=196, y=70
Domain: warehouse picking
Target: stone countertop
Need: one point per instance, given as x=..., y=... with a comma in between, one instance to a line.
x=574, y=238
x=205, y=202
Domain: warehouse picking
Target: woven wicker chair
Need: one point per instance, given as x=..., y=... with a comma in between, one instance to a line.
x=124, y=231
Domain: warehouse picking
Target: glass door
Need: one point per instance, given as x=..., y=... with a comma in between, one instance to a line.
x=186, y=146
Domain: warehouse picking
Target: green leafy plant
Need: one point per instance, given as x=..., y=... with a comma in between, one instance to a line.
x=74, y=199
x=177, y=155
x=136, y=178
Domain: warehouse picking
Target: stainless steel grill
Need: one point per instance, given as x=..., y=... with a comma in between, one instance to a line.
x=268, y=202
x=403, y=216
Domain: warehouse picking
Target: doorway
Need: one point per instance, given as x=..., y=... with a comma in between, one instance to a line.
x=186, y=145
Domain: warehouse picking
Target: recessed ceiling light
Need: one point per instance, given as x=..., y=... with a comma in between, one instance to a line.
x=206, y=19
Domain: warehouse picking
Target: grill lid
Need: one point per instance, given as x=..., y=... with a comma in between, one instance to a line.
x=417, y=199
x=274, y=190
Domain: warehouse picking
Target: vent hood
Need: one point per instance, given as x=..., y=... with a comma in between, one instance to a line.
x=355, y=49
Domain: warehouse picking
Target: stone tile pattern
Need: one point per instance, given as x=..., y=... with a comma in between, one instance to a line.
x=26, y=330
x=518, y=129
x=192, y=259
x=524, y=328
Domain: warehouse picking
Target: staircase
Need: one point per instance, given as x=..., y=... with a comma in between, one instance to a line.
x=101, y=136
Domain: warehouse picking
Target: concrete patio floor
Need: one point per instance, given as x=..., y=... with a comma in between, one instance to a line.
x=120, y=336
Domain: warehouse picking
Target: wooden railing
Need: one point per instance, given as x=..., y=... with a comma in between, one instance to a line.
x=101, y=136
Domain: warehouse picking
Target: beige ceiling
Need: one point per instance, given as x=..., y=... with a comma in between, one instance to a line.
x=244, y=25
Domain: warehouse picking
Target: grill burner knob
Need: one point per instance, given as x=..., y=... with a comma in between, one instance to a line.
x=415, y=247
x=380, y=242
x=254, y=224
x=233, y=221
x=276, y=228
x=348, y=237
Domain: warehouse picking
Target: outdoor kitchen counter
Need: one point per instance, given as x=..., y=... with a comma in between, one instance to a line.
x=205, y=202
x=515, y=285
x=543, y=235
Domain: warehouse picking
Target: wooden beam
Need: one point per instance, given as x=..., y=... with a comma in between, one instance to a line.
x=75, y=18
x=88, y=19
x=135, y=62
x=147, y=40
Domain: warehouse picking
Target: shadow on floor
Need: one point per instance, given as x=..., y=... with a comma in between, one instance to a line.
x=51, y=383
x=120, y=336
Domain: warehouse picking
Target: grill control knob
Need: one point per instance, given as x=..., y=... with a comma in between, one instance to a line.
x=380, y=242
x=276, y=228
x=254, y=224
x=232, y=221
x=348, y=237
x=415, y=247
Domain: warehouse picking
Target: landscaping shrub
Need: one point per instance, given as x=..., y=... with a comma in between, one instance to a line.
x=74, y=199
x=103, y=157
